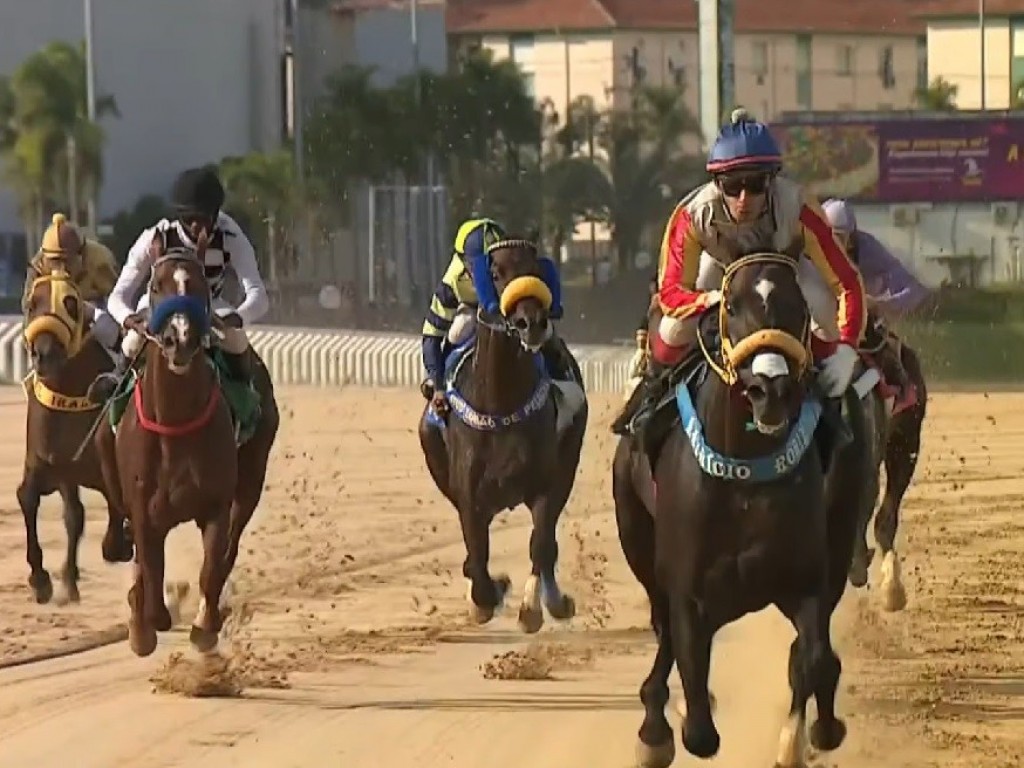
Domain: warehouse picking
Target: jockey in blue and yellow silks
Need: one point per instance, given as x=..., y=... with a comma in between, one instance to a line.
x=467, y=284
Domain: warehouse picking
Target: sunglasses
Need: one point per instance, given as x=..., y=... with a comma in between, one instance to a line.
x=734, y=186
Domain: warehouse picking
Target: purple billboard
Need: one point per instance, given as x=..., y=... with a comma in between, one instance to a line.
x=898, y=161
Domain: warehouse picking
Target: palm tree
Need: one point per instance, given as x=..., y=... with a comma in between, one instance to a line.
x=938, y=96
x=639, y=167
x=47, y=134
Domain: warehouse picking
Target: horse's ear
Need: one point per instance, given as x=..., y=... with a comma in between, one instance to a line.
x=202, y=242
x=156, y=246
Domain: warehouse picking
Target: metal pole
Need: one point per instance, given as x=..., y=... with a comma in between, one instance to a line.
x=72, y=178
x=297, y=121
x=371, y=245
x=981, y=32
x=90, y=99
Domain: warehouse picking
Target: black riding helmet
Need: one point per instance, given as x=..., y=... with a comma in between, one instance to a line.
x=198, y=193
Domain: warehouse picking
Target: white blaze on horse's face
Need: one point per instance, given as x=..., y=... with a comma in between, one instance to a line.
x=181, y=280
x=771, y=365
x=180, y=322
x=764, y=289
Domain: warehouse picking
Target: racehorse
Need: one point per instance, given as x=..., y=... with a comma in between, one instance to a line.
x=511, y=436
x=65, y=359
x=895, y=439
x=734, y=499
x=190, y=444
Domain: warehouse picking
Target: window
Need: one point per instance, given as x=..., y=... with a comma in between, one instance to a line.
x=520, y=47
x=922, y=63
x=759, y=54
x=886, y=71
x=528, y=84
x=844, y=60
x=803, y=72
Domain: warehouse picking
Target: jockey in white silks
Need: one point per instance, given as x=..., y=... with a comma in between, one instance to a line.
x=197, y=198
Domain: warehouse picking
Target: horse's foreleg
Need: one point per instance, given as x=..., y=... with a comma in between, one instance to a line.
x=863, y=555
x=691, y=644
x=28, y=499
x=900, y=462
x=814, y=668
x=483, y=593
x=74, y=526
x=117, y=541
x=206, y=626
x=542, y=582
x=141, y=632
x=655, y=747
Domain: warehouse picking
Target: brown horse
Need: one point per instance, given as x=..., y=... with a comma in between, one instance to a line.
x=65, y=359
x=736, y=496
x=175, y=455
x=895, y=441
x=514, y=437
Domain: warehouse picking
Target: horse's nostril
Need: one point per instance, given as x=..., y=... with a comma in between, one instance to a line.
x=756, y=392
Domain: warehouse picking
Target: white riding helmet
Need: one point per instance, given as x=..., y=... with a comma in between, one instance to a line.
x=840, y=216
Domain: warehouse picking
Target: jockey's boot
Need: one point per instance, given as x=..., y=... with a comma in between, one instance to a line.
x=652, y=388
x=240, y=367
x=104, y=385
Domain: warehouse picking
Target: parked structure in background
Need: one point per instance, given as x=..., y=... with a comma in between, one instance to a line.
x=796, y=55
x=955, y=51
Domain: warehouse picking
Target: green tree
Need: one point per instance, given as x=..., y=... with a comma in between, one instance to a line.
x=638, y=168
x=263, y=196
x=47, y=133
x=938, y=96
x=128, y=224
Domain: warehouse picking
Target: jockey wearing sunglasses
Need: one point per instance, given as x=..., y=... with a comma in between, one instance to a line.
x=748, y=208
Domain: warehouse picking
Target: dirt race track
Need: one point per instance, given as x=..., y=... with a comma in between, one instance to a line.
x=349, y=640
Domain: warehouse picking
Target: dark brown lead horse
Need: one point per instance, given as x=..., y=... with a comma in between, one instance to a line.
x=513, y=437
x=175, y=456
x=895, y=440
x=736, y=501
x=65, y=359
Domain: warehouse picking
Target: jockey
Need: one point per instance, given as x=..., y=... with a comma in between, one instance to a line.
x=466, y=284
x=197, y=199
x=892, y=291
x=745, y=208
x=91, y=267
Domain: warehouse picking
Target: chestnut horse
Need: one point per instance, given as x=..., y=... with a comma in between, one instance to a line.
x=65, y=359
x=176, y=456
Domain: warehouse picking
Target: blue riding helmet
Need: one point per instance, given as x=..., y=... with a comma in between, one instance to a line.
x=744, y=144
x=840, y=216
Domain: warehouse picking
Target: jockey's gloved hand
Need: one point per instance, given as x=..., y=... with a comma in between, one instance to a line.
x=837, y=370
x=713, y=297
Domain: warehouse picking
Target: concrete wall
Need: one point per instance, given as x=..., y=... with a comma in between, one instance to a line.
x=195, y=80
x=945, y=230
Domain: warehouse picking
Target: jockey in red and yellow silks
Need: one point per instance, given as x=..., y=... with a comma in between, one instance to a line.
x=747, y=207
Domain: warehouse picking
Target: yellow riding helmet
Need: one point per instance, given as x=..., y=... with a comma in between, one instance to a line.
x=61, y=238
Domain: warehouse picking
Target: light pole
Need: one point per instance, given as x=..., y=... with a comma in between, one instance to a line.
x=90, y=99
x=981, y=32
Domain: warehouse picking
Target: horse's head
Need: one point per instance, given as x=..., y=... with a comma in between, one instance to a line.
x=765, y=326
x=525, y=299
x=55, y=322
x=179, y=301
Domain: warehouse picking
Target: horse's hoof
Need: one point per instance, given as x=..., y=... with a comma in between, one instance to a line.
x=827, y=735
x=660, y=756
x=480, y=614
x=894, y=599
x=502, y=586
x=858, y=574
x=116, y=547
x=42, y=586
x=564, y=609
x=701, y=742
x=204, y=642
x=68, y=593
x=530, y=619
x=142, y=640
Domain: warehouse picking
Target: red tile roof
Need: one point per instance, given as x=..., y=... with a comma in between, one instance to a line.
x=836, y=16
x=969, y=8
